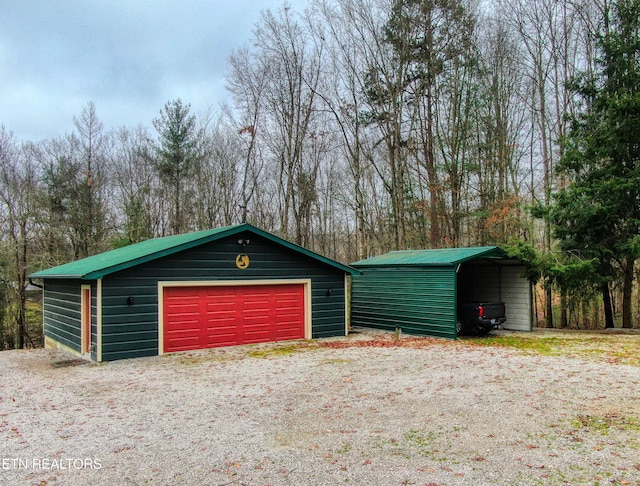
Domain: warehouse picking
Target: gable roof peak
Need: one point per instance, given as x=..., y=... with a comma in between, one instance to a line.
x=97, y=266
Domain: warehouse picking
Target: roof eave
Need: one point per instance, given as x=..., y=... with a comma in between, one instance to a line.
x=365, y=265
x=98, y=274
x=487, y=253
x=292, y=246
x=230, y=231
x=58, y=276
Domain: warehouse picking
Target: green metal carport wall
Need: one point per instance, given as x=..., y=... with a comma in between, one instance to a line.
x=413, y=290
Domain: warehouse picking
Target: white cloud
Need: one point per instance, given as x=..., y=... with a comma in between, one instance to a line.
x=128, y=57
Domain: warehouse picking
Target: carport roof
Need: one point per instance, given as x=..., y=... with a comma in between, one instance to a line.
x=436, y=257
x=97, y=266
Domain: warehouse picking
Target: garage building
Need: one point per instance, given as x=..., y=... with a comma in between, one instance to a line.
x=220, y=287
x=417, y=291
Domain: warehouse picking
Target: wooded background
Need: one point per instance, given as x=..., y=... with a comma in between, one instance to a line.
x=363, y=126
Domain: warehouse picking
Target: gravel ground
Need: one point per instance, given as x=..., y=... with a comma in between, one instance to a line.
x=443, y=414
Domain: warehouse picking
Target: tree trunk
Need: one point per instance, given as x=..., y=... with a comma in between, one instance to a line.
x=608, y=310
x=434, y=199
x=627, y=289
x=549, y=304
x=585, y=315
x=21, y=267
x=564, y=321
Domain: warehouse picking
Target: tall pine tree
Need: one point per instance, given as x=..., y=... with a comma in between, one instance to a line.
x=178, y=153
x=598, y=214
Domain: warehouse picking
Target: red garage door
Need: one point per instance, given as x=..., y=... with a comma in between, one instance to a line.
x=207, y=317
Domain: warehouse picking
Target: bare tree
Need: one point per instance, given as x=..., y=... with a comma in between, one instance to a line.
x=92, y=145
x=501, y=175
x=220, y=168
x=141, y=204
x=294, y=62
x=247, y=81
x=19, y=183
x=73, y=170
x=349, y=31
x=385, y=82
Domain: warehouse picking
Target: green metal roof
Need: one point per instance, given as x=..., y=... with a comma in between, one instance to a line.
x=437, y=257
x=97, y=266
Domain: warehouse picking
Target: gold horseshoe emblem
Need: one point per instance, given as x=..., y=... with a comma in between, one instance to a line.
x=242, y=261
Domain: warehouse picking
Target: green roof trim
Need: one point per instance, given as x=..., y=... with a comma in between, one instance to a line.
x=97, y=266
x=436, y=257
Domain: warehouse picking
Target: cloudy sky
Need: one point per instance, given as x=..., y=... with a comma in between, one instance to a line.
x=127, y=56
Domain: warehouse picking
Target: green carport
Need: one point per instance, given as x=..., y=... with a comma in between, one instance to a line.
x=417, y=291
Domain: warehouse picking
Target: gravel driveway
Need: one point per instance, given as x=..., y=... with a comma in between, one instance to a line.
x=362, y=411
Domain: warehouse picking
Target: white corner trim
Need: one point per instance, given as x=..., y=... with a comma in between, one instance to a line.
x=99, y=320
x=85, y=312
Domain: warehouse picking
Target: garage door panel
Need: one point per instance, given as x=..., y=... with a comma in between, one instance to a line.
x=286, y=330
x=257, y=326
x=219, y=340
x=219, y=308
x=254, y=338
x=185, y=311
x=261, y=312
x=218, y=325
x=183, y=338
x=255, y=322
x=219, y=319
x=285, y=335
x=185, y=308
x=204, y=317
x=284, y=308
